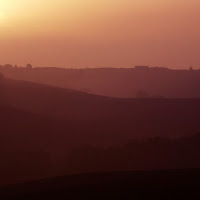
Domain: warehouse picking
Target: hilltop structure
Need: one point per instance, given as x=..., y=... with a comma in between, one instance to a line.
x=29, y=66
x=142, y=67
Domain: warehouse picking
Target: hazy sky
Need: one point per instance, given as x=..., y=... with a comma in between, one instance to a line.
x=94, y=33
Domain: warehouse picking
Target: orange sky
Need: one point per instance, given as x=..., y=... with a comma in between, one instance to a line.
x=100, y=33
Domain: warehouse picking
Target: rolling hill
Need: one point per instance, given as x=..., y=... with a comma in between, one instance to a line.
x=171, y=184
x=115, y=82
x=127, y=117
x=40, y=124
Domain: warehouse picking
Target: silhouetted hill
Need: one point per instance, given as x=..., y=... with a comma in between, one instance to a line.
x=53, y=101
x=110, y=116
x=171, y=184
x=40, y=125
x=146, y=154
x=156, y=82
x=28, y=143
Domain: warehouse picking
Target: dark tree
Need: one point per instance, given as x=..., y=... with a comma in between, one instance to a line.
x=142, y=94
x=29, y=66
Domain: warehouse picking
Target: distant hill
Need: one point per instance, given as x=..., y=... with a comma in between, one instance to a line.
x=123, y=83
x=171, y=184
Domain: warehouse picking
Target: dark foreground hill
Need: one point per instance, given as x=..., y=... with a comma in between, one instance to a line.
x=34, y=146
x=171, y=184
x=41, y=124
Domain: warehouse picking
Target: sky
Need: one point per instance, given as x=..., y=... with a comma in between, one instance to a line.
x=100, y=33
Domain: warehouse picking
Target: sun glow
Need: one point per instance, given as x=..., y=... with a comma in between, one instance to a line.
x=2, y=18
x=5, y=8
x=2, y=15
x=107, y=32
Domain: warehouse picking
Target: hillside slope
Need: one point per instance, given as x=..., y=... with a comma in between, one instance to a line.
x=130, y=117
x=116, y=82
x=171, y=184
